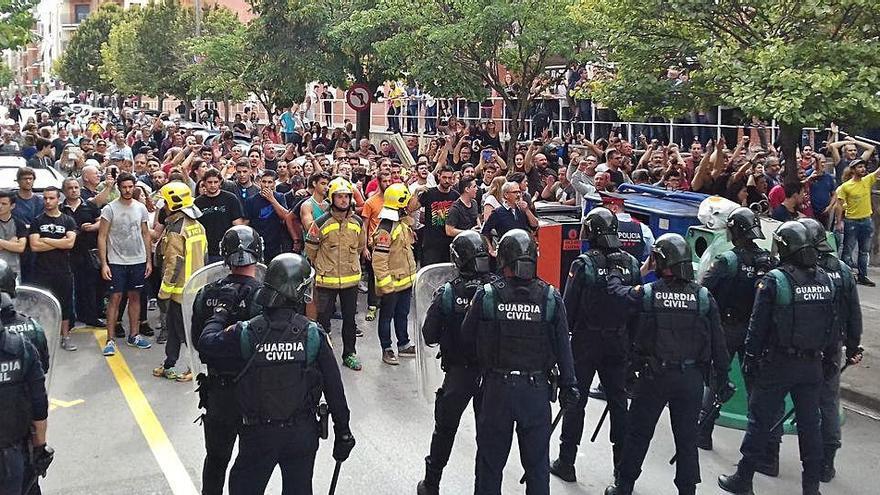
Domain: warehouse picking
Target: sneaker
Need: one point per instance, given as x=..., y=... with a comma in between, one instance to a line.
x=352, y=362
x=186, y=376
x=371, y=313
x=358, y=332
x=66, y=344
x=109, y=348
x=408, y=351
x=138, y=341
x=146, y=330
x=388, y=357
x=866, y=282
x=170, y=374
x=362, y=287
x=163, y=336
x=152, y=305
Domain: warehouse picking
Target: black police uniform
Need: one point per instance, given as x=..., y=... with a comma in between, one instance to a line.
x=849, y=330
x=791, y=326
x=24, y=400
x=222, y=418
x=679, y=337
x=731, y=279
x=462, y=381
x=520, y=331
x=599, y=341
x=290, y=365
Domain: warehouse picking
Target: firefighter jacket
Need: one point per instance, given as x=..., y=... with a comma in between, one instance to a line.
x=181, y=251
x=334, y=246
x=393, y=261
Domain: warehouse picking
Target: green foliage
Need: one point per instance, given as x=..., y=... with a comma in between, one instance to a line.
x=17, y=22
x=220, y=55
x=81, y=62
x=6, y=76
x=802, y=63
x=145, y=53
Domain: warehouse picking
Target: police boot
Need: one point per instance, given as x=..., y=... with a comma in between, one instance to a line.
x=431, y=484
x=620, y=488
x=828, y=471
x=563, y=471
x=425, y=489
x=810, y=488
x=739, y=482
x=617, y=451
x=768, y=465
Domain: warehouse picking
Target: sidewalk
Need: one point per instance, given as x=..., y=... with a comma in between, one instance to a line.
x=861, y=384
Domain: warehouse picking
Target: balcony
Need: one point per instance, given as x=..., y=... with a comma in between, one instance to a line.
x=70, y=20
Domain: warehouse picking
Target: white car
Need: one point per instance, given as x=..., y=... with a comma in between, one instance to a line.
x=60, y=96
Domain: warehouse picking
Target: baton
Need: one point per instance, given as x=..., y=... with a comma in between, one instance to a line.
x=335, y=477
x=556, y=421
x=601, y=422
x=790, y=412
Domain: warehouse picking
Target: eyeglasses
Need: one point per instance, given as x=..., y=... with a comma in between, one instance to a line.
x=514, y=192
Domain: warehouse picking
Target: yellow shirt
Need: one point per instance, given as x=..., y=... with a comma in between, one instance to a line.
x=856, y=196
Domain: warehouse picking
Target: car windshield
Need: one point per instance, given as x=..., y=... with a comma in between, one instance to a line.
x=43, y=179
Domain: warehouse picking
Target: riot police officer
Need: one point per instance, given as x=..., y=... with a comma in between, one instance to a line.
x=792, y=326
x=23, y=450
x=599, y=337
x=241, y=249
x=443, y=326
x=14, y=321
x=288, y=362
x=519, y=331
x=679, y=339
x=731, y=279
x=849, y=326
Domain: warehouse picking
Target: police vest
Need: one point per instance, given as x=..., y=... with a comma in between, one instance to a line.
x=31, y=330
x=804, y=308
x=595, y=313
x=842, y=276
x=206, y=302
x=280, y=381
x=631, y=238
x=518, y=327
x=456, y=296
x=674, y=324
x=16, y=416
x=745, y=268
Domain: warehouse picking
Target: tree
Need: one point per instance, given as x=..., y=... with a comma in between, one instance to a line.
x=6, y=75
x=464, y=48
x=16, y=22
x=81, y=61
x=145, y=53
x=801, y=63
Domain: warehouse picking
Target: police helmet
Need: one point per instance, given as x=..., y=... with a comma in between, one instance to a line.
x=742, y=225
x=468, y=252
x=817, y=235
x=7, y=279
x=792, y=243
x=518, y=251
x=671, y=251
x=241, y=246
x=288, y=282
x=600, y=228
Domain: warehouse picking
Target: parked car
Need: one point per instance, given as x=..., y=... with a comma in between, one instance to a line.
x=44, y=177
x=64, y=96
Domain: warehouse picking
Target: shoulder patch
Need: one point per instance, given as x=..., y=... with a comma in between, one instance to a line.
x=383, y=238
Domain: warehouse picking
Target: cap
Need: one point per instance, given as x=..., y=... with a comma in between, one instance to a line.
x=117, y=155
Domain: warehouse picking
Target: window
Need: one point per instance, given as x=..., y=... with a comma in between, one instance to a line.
x=80, y=12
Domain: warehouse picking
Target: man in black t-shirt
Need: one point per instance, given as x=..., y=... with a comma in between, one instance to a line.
x=87, y=282
x=465, y=211
x=52, y=236
x=220, y=211
x=436, y=202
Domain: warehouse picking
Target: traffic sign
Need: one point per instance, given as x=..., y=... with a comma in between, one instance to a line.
x=358, y=97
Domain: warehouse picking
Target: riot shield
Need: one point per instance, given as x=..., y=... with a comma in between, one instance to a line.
x=428, y=279
x=45, y=310
x=202, y=277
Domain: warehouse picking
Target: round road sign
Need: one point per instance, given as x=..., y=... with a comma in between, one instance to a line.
x=358, y=97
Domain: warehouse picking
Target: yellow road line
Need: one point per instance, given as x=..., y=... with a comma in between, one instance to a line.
x=160, y=445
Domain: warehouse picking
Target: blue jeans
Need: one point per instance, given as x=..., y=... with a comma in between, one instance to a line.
x=857, y=232
x=394, y=306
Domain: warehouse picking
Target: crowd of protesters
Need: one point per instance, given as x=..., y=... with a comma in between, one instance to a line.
x=274, y=177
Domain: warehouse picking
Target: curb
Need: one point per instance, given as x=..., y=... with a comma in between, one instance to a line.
x=862, y=400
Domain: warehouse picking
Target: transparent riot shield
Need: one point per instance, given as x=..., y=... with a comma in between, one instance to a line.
x=202, y=277
x=45, y=310
x=428, y=279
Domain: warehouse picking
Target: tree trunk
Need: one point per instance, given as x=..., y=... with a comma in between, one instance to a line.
x=226, y=109
x=789, y=137
x=161, y=103
x=364, y=121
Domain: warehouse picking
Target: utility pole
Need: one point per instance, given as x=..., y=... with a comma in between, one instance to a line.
x=198, y=8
